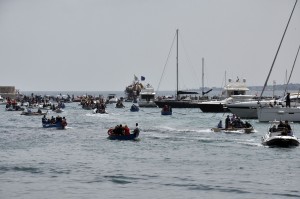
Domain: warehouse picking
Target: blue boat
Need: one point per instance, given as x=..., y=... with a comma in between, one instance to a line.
x=59, y=123
x=134, y=108
x=115, y=136
x=166, y=110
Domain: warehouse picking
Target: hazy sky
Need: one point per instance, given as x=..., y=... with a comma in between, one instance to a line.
x=98, y=45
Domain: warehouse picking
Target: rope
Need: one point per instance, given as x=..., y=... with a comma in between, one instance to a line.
x=166, y=62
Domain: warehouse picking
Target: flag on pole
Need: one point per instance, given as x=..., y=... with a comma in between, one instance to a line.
x=143, y=78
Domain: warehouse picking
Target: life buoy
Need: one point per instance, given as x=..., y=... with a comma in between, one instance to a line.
x=110, y=131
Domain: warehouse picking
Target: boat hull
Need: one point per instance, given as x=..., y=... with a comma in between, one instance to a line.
x=147, y=104
x=133, y=136
x=234, y=130
x=177, y=104
x=134, y=109
x=166, y=112
x=281, y=141
x=56, y=125
x=266, y=114
x=213, y=108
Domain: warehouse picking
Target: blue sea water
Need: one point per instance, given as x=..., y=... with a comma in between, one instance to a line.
x=175, y=157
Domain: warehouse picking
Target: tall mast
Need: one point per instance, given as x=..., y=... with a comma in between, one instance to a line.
x=288, y=80
x=202, y=76
x=177, y=64
x=277, y=51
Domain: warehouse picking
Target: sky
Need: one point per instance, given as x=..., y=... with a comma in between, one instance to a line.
x=99, y=45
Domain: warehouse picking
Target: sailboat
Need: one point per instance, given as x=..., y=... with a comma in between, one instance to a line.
x=290, y=112
x=251, y=109
x=180, y=101
x=280, y=112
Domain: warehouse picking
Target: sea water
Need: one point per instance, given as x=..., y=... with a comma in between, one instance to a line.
x=175, y=156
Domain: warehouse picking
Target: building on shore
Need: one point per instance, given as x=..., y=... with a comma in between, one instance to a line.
x=9, y=91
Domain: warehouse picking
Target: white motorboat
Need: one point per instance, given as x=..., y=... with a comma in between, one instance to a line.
x=279, y=137
x=147, y=96
x=233, y=92
x=112, y=98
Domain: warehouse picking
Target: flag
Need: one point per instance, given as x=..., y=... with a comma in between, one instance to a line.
x=143, y=78
x=136, y=78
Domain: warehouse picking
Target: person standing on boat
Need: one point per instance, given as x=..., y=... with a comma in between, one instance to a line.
x=288, y=100
x=227, y=122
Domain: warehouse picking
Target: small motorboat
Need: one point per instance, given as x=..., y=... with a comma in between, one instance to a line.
x=58, y=122
x=58, y=125
x=119, y=104
x=118, y=133
x=28, y=112
x=234, y=125
x=134, y=108
x=99, y=111
x=166, y=110
x=280, y=136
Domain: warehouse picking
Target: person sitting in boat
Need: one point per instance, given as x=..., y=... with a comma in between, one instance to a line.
x=118, y=130
x=220, y=125
x=39, y=111
x=227, y=122
x=248, y=125
x=280, y=126
x=44, y=120
x=58, y=119
x=52, y=120
x=126, y=130
x=288, y=128
x=273, y=128
x=166, y=108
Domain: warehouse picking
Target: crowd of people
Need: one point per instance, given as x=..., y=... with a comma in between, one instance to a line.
x=123, y=130
x=54, y=120
x=284, y=128
x=234, y=122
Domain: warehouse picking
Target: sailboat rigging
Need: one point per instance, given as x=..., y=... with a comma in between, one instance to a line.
x=178, y=102
x=287, y=25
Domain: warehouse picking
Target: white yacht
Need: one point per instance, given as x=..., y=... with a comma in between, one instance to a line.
x=147, y=97
x=233, y=92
